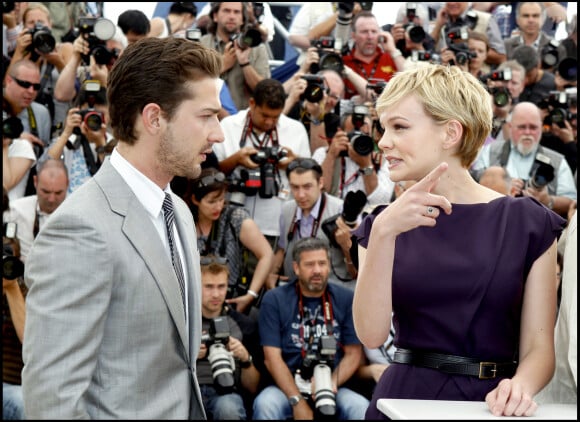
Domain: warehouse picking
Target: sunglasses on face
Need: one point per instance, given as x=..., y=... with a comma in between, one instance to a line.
x=208, y=260
x=304, y=163
x=26, y=84
x=210, y=180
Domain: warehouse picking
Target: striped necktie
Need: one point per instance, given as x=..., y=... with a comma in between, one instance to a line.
x=176, y=261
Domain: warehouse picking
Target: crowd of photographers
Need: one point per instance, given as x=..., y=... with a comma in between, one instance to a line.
x=300, y=156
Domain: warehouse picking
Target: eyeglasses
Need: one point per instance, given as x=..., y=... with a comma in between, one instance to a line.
x=210, y=180
x=26, y=84
x=304, y=163
x=212, y=259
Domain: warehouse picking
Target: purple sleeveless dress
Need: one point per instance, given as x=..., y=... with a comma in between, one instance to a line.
x=458, y=289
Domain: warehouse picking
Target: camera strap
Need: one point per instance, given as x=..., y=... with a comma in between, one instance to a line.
x=295, y=225
x=326, y=312
x=248, y=132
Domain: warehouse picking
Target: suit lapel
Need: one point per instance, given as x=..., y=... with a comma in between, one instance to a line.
x=145, y=239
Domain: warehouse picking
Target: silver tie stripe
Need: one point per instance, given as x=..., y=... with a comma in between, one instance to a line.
x=176, y=261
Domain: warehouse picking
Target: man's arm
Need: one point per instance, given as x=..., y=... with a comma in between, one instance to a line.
x=284, y=379
x=349, y=364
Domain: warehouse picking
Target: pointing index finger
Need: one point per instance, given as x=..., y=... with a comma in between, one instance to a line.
x=428, y=182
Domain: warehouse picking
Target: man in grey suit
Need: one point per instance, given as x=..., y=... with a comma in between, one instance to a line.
x=112, y=327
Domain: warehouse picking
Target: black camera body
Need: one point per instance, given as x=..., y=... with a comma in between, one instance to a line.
x=416, y=32
x=542, y=172
x=354, y=203
x=456, y=39
x=497, y=75
x=501, y=95
x=96, y=31
x=12, y=127
x=243, y=182
x=42, y=39
x=329, y=53
x=550, y=56
x=314, y=91
x=250, y=38
x=558, y=106
x=376, y=85
x=221, y=360
x=362, y=143
x=267, y=158
x=319, y=364
x=12, y=267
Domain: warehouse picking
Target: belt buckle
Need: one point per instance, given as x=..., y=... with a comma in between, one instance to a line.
x=484, y=368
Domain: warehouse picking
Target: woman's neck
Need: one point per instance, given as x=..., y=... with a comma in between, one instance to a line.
x=204, y=226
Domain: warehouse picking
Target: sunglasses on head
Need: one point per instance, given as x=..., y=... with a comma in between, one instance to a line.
x=210, y=180
x=212, y=259
x=26, y=84
x=303, y=163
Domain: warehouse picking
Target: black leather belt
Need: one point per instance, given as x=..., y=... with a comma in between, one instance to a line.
x=457, y=365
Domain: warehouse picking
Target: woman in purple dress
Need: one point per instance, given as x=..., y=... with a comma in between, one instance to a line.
x=466, y=272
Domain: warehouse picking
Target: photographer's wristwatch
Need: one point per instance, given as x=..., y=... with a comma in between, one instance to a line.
x=367, y=170
x=248, y=363
x=294, y=400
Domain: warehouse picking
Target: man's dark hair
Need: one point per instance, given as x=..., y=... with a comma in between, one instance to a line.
x=527, y=56
x=270, y=92
x=180, y=8
x=155, y=70
x=215, y=7
x=135, y=21
x=306, y=244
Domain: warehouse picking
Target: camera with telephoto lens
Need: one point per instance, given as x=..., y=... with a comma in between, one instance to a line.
x=318, y=364
x=497, y=75
x=456, y=40
x=314, y=91
x=568, y=69
x=11, y=126
x=12, y=267
x=425, y=56
x=249, y=38
x=268, y=158
x=542, y=172
x=42, y=39
x=96, y=31
x=220, y=358
x=362, y=143
x=354, y=203
x=329, y=54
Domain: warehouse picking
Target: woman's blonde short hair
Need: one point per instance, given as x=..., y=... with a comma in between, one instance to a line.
x=447, y=93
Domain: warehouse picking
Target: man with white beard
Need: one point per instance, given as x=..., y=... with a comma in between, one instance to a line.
x=530, y=165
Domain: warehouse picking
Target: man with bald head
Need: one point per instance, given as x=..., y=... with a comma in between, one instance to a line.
x=30, y=212
x=527, y=161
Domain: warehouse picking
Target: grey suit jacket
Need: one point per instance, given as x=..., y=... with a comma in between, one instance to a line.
x=105, y=334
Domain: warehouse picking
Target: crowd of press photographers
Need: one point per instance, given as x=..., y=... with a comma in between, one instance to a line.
x=312, y=130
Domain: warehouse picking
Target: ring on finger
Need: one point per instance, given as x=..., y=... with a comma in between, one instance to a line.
x=430, y=210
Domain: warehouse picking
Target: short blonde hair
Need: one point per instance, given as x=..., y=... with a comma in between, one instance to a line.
x=447, y=93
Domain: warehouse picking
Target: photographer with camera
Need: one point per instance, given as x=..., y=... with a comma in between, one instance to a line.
x=535, y=170
x=37, y=44
x=454, y=16
x=374, y=54
x=314, y=213
x=227, y=375
x=245, y=56
x=351, y=161
x=22, y=82
x=83, y=141
x=310, y=347
x=259, y=143
x=226, y=229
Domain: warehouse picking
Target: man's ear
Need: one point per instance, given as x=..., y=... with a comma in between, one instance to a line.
x=151, y=116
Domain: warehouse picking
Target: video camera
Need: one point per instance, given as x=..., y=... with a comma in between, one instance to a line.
x=220, y=358
x=329, y=53
x=354, y=203
x=318, y=364
x=97, y=31
x=42, y=39
x=314, y=91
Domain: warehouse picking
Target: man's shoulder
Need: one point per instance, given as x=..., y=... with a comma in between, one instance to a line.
x=24, y=203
